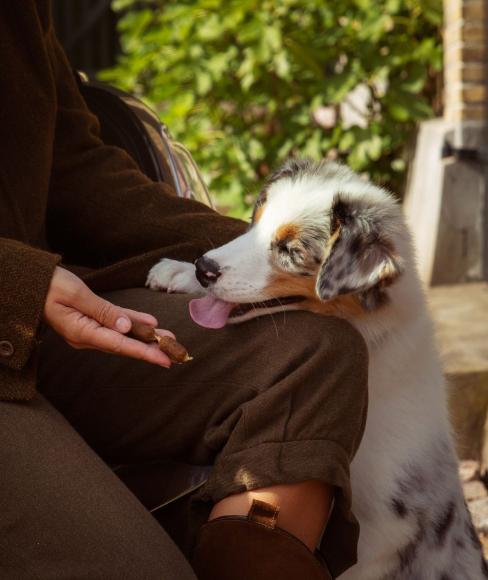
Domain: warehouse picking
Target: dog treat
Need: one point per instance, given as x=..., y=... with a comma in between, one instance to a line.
x=176, y=352
x=142, y=332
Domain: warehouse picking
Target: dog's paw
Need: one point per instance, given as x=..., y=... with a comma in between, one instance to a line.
x=173, y=276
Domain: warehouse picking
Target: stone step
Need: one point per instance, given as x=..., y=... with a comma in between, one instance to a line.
x=460, y=315
x=476, y=496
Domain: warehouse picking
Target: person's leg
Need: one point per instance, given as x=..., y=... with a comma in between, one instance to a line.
x=64, y=514
x=304, y=507
x=272, y=401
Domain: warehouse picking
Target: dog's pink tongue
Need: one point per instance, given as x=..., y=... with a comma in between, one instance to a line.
x=210, y=312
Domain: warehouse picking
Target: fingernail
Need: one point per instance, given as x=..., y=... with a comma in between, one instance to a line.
x=122, y=324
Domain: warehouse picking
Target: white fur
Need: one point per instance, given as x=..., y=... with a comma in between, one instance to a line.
x=173, y=276
x=407, y=428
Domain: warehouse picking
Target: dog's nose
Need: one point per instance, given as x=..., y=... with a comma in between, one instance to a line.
x=207, y=271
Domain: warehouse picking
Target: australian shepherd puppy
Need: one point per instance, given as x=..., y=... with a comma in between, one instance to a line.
x=323, y=239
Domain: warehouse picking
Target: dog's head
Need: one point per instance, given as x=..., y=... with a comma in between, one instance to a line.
x=321, y=239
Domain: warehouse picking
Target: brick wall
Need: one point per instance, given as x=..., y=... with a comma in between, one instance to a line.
x=466, y=60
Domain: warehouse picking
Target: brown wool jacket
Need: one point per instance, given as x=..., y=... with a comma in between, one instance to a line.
x=66, y=197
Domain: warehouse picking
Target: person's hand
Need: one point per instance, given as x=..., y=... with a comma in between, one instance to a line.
x=85, y=320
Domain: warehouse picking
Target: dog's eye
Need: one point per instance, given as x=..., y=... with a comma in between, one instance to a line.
x=283, y=247
x=290, y=252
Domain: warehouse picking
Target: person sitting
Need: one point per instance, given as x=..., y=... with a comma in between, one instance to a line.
x=280, y=415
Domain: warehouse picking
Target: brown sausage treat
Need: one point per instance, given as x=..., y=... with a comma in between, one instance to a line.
x=142, y=332
x=176, y=351
x=145, y=333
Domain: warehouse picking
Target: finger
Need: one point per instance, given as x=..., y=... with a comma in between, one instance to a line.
x=104, y=312
x=159, y=331
x=142, y=317
x=110, y=341
x=149, y=359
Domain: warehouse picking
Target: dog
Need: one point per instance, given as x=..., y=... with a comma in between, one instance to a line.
x=323, y=239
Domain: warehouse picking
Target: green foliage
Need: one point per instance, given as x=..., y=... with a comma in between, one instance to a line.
x=242, y=82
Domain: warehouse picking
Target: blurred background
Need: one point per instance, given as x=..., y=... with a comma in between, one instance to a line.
x=397, y=89
x=244, y=84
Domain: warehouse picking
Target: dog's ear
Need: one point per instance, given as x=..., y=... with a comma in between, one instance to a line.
x=292, y=167
x=360, y=258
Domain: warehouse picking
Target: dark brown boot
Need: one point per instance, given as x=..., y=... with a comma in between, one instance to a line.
x=253, y=548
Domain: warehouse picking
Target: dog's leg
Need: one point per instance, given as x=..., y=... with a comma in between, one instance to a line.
x=174, y=276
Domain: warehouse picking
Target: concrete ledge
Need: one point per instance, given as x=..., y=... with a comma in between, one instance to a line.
x=445, y=203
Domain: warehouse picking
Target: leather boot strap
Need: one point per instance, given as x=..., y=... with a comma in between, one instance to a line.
x=263, y=513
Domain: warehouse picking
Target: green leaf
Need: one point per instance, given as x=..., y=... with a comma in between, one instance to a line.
x=346, y=141
x=256, y=150
x=204, y=82
x=209, y=28
x=272, y=36
x=398, y=165
x=375, y=147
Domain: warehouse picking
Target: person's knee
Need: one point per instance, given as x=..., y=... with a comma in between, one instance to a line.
x=312, y=377
x=310, y=348
x=330, y=402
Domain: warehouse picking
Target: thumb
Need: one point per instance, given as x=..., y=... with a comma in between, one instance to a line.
x=103, y=311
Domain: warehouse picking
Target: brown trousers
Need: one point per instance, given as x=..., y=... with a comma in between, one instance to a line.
x=278, y=399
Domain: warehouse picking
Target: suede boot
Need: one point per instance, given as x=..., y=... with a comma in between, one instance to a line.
x=253, y=548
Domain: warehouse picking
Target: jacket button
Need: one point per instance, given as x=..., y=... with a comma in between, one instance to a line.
x=6, y=349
